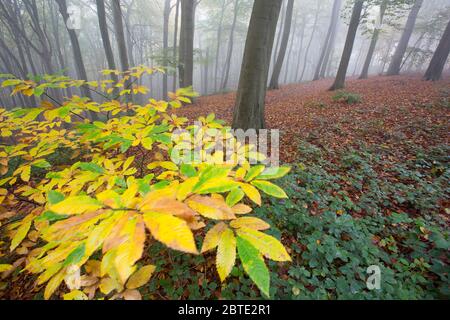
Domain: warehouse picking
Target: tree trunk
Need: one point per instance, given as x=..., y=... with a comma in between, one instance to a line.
x=250, y=101
x=166, y=46
x=373, y=42
x=175, y=46
x=219, y=42
x=121, y=44
x=287, y=65
x=394, y=67
x=105, y=38
x=230, y=46
x=79, y=64
x=305, y=61
x=329, y=40
x=186, y=67
x=440, y=57
x=280, y=32
x=302, y=38
x=284, y=42
x=349, y=42
x=120, y=35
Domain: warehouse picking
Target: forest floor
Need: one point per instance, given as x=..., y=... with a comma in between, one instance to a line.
x=392, y=110
x=368, y=186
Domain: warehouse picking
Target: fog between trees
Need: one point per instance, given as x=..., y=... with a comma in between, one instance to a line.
x=202, y=42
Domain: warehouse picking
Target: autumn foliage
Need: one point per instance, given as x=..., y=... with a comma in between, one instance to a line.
x=99, y=193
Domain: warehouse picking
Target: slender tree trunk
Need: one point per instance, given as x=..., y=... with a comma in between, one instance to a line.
x=230, y=46
x=79, y=63
x=329, y=40
x=284, y=42
x=206, y=72
x=250, y=101
x=121, y=43
x=302, y=38
x=166, y=46
x=440, y=57
x=358, y=59
x=373, y=42
x=289, y=55
x=305, y=61
x=101, y=12
x=394, y=67
x=347, y=53
x=175, y=45
x=186, y=68
x=120, y=35
x=218, y=46
x=280, y=32
x=128, y=34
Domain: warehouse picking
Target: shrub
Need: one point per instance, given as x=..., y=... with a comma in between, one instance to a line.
x=347, y=97
x=87, y=219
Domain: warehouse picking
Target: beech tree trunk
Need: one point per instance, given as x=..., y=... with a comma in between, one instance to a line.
x=166, y=46
x=440, y=57
x=284, y=42
x=175, y=45
x=348, y=48
x=250, y=101
x=186, y=67
x=394, y=67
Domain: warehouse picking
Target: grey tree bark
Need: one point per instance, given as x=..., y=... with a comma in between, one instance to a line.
x=348, y=48
x=250, y=101
x=434, y=71
x=284, y=42
x=329, y=40
x=186, y=67
x=396, y=62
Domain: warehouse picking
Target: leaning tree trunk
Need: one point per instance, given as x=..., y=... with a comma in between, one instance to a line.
x=186, y=67
x=394, y=67
x=284, y=42
x=329, y=40
x=250, y=101
x=101, y=12
x=349, y=42
x=373, y=44
x=440, y=57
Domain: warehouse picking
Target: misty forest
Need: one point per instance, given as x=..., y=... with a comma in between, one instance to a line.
x=97, y=96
